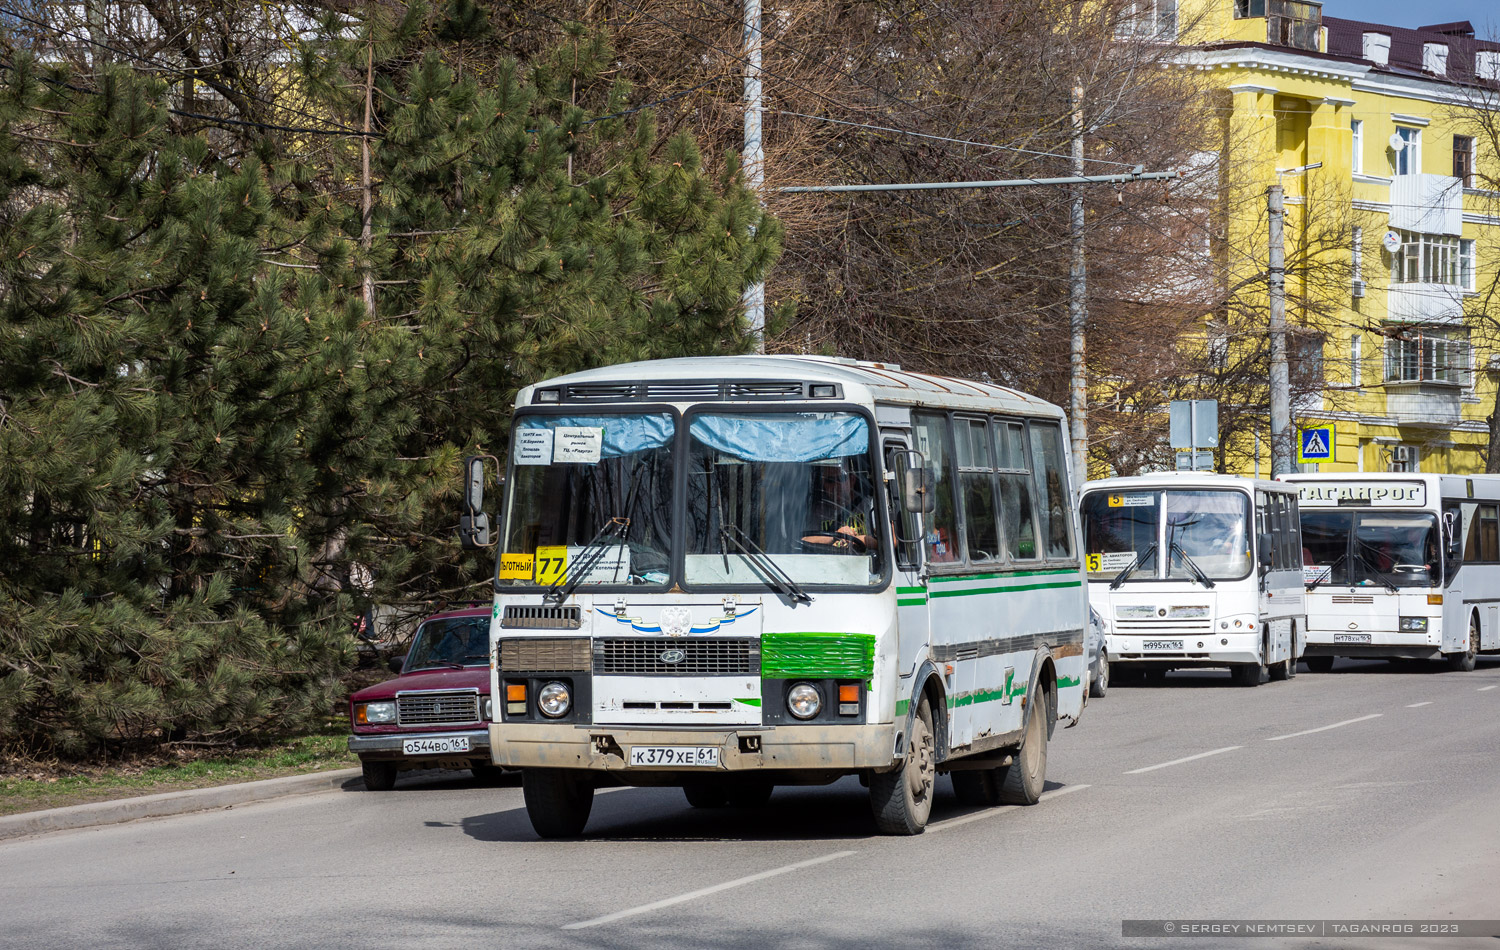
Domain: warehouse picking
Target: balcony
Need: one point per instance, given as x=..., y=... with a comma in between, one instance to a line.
x=1293, y=23
x=1429, y=204
x=1426, y=403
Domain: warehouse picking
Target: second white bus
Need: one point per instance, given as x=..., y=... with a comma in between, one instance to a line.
x=1196, y=570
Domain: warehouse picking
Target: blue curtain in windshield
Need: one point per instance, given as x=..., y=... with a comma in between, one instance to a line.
x=623, y=435
x=784, y=436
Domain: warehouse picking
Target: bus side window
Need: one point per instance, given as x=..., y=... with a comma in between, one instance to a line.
x=904, y=524
x=935, y=443
x=1051, y=485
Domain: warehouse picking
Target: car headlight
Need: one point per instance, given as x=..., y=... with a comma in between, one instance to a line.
x=1413, y=624
x=554, y=700
x=804, y=701
x=486, y=710
x=374, y=713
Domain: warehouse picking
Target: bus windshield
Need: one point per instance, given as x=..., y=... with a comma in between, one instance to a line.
x=1204, y=529
x=1359, y=548
x=781, y=493
x=592, y=500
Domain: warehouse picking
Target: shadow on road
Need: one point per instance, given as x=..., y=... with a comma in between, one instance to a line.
x=795, y=813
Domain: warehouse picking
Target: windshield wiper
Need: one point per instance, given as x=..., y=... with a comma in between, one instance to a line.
x=773, y=572
x=1380, y=575
x=1132, y=567
x=588, y=556
x=1192, y=566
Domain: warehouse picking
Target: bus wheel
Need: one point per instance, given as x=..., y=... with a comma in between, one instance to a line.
x=750, y=793
x=978, y=787
x=1246, y=674
x=705, y=794
x=558, y=801
x=1319, y=664
x=1287, y=668
x=1464, y=662
x=1022, y=781
x=902, y=799
x=379, y=776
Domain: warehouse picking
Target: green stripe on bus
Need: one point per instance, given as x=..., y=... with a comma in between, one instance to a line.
x=749, y=702
x=1065, y=681
x=1003, y=590
x=911, y=590
x=911, y=601
x=902, y=705
x=954, y=578
x=833, y=655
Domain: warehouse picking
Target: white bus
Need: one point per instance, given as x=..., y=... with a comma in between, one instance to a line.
x=1400, y=565
x=1195, y=570
x=728, y=574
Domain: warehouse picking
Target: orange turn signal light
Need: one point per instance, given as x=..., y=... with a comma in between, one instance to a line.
x=1435, y=599
x=515, y=692
x=360, y=715
x=849, y=693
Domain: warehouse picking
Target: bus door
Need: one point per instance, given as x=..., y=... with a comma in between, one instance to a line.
x=911, y=589
x=1281, y=581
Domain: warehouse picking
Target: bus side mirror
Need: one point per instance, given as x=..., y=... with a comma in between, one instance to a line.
x=916, y=483
x=474, y=524
x=1450, y=533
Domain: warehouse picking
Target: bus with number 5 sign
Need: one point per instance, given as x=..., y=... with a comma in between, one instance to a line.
x=1196, y=570
x=731, y=574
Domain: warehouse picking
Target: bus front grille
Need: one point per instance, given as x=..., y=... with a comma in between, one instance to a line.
x=545, y=655
x=541, y=616
x=639, y=656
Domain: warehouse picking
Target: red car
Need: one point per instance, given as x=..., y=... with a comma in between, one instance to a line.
x=436, y=712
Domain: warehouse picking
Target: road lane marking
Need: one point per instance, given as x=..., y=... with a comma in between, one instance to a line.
x=937, y=826
x=1200, y=755
x=1308, y=732
x=1415, y=705
x=1483, y=689
x=706, y=891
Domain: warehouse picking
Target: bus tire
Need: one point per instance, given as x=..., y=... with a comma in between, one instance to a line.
x=558, y=801
x=705, y=794
x=379, y=776
x=1022, y=781
x=1287, y=668
x=1247, y=674
x=1464, y=662
x=750, y=793
x=902, y=799
x=977, y=787
x=1319, y=664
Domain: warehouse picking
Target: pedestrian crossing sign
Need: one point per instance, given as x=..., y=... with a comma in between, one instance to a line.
x=1315, y=445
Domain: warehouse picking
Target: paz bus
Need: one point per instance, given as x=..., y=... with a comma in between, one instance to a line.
x=734, y=573
x=1400, y=565
x=1192, y=569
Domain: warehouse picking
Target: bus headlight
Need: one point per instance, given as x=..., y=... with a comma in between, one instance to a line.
x=554, y=699
x=804, y=701
x=1413, y=624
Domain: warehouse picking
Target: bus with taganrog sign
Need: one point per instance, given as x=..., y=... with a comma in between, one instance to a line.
x=1400, y=565
x=1194, y=569
x=731, y=574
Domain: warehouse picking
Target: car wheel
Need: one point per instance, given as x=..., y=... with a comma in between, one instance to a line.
x=379, y=776
x=1100, y=684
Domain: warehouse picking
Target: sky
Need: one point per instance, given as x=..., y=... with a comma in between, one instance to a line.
x=1484, y=14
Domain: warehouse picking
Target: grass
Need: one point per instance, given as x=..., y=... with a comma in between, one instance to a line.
x=30, y=786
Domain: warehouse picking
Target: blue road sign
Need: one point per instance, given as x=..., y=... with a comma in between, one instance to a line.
x=1316, y=445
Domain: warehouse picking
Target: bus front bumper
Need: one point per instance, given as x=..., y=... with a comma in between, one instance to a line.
x=1420, y=645
x=745, y=748
x=1185, y=649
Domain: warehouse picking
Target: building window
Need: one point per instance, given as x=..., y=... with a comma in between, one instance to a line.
x=1357, y=127
x=1357, y=257
x=1466, y=264
x=1218, y=345
x=1431, y=355
x=1356, y=375
x=1463, y=159
x=1306, y=358
x=1149, y=19
x=1432, y=259
x=1408, y=160
x=1249, y=8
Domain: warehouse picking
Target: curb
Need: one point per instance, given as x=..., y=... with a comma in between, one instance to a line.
x=170, y=803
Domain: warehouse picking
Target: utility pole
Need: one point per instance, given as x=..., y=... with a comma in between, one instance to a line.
x=755, y=156
x=1281, y=400
x=1078, y=308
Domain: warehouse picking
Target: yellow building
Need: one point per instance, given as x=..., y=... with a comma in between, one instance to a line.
x=1386, y=241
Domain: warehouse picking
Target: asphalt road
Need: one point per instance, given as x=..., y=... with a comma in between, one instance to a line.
x=1372, y=792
